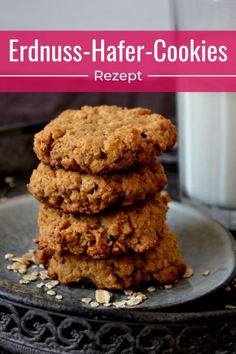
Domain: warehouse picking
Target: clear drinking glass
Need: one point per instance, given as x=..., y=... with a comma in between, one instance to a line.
x=207, y=124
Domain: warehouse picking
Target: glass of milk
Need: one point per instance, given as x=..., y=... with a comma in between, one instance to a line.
x=207, y=124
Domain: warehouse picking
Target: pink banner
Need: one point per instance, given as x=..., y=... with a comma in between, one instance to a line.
x=111, y=61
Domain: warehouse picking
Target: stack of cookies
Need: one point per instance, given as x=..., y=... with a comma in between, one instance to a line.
x=103, y=216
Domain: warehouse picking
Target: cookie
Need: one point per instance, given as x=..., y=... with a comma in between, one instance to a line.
x=163, y=264
x=118, y=231
x=104, y=139
x=76, y=192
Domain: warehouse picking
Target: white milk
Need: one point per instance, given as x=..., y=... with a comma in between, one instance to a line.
x=207, y=144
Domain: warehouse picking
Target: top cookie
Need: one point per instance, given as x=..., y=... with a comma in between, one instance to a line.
x=104, y=139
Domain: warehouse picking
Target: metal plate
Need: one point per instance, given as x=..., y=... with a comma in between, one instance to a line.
x=205, y=245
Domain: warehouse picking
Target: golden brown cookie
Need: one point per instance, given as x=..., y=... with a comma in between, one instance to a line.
x=104, y=139
x=77, y=192
x=163, y=264
x=118, y=231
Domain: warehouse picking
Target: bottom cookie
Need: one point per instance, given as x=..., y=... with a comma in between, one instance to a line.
x=163, y=264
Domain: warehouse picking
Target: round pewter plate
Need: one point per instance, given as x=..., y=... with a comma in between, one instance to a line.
x=205, y=245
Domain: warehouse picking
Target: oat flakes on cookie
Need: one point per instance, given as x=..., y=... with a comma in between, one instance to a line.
x=77, y=192
x=163, y=264
x=111, y=233
x=104, y=139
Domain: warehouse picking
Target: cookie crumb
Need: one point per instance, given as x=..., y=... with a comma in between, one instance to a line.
x=94, y=304
x=206, y=273
x=228, y=288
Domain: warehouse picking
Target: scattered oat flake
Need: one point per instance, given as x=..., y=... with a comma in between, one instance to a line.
x=9, y=256
x=30, y=277
x=151, y=289
x=168, y=286
x=206, y=273
x=86, y=300
x=228, y=306
x=107, y=305
x=103, y=296
x=94, y=304
x=135, y=301
x=10, y=267
x=10, y=180
x=228, y=288
x=143, y=296
x=44, y=275
x=22, y=281
x=17, y=267
x=51, y=284
x=40, y=285
x=59, y=297
x=119, y=304
x=51, y=293
x=22, y=270
x=188, y=273
x=29, y=257
x=35, y=273
x=18, y=259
